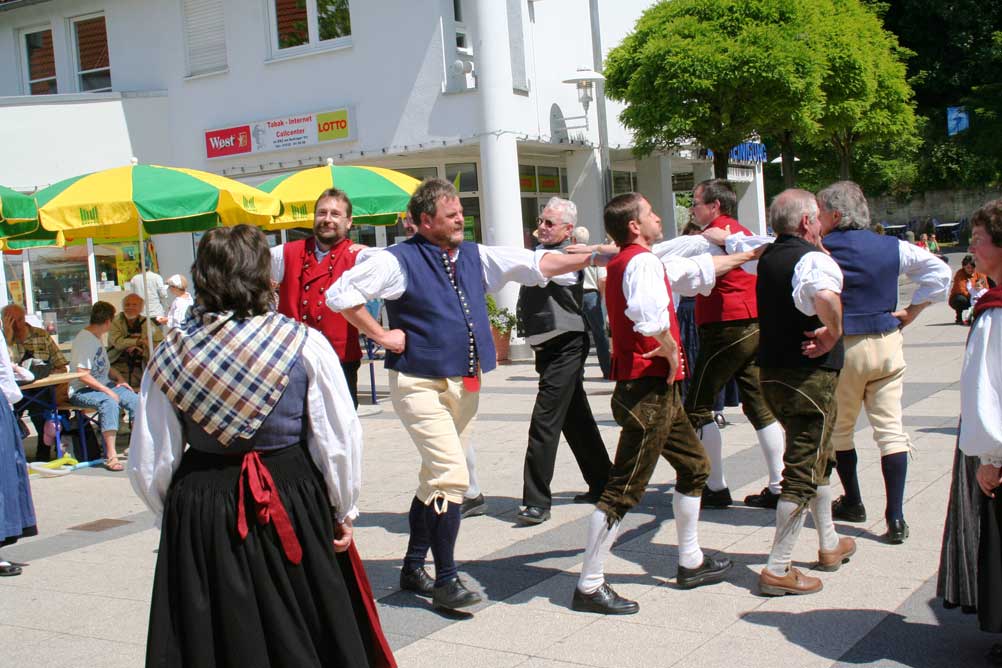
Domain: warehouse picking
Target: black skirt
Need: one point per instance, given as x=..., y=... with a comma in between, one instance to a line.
x=222, y=601
x=990, y=564
x=958, y=560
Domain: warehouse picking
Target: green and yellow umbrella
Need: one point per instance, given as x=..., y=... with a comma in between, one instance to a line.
x=377, y=195
x=18, y=213
x=112, y=202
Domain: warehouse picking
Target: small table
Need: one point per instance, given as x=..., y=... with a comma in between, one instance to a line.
x=49, y=381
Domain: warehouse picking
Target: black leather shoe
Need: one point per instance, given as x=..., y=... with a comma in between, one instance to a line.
x=764, y=499
x=710, y=571
x=897, y=531
x=846, y=512
x=588, y=497
x=720, y=420
x=473, y=507
x=604, y=601
x=454, y=595
x=7, y=569
x=716, y=498
x=417, y=580
x=533, y=515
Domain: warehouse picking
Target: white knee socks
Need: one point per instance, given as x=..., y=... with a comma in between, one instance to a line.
x=789, y=521
x=821, y=509
x=713, y=443
x=686, y=522
x=773, y=442
x=600, y=539
x=473, y=491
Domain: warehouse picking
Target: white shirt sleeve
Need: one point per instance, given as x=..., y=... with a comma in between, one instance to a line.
x=981, y=390
x=503, y=264
x=335, y=434
x=8, y=385
x=689, y=245
x=381, y=276
x=367, y=254
x=155, y=447
x=739, y=243
x=277, y=263
x=647, y=300
x=690, y=276
x=814, y=272
x=930, y=273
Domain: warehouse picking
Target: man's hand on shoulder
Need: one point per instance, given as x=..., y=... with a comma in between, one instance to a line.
x=357, y=248
x=717, y=235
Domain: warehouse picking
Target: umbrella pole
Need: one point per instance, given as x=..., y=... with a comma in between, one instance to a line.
x=146, y=291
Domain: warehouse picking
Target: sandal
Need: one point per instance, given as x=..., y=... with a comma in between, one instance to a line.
x=113, y=465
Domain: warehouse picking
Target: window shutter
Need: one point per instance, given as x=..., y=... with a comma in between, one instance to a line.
x=205, y=34
x=516, y=42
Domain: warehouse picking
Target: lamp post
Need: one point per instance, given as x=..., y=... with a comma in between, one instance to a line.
x=603, y=127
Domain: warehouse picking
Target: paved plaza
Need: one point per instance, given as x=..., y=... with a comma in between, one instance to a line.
x=84, y=600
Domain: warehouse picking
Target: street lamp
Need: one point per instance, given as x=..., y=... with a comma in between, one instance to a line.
x=584, y=80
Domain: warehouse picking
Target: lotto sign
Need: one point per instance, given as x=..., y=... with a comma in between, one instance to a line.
x=276, y=134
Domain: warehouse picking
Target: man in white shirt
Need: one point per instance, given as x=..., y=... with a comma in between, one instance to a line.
x=155, y=294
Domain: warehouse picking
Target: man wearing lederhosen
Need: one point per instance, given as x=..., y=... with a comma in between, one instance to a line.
x=439, y=345
x=728, y=343
x=550, y=318
x=799, y=358
x=874, y=370
x=306, y=268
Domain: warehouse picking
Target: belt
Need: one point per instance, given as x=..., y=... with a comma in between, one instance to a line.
x=267, y=505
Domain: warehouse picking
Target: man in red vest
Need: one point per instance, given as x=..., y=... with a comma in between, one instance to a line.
x=728, y=343
x=304, y=269
x=647, y=404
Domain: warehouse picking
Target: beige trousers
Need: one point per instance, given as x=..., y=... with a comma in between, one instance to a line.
x=873, y=376
x=435, y=411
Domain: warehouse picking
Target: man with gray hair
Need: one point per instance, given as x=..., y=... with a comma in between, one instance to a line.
x=551, y=320
x=799, y=357
x=873, y=375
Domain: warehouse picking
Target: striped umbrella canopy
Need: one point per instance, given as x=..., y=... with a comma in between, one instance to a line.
x=113, y=202
x=377, y=195
x=18, y=213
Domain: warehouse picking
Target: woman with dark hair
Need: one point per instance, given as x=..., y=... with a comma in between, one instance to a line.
x=256, y=565
x=977, y=474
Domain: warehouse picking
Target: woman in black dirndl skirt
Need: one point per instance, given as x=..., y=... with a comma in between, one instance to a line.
x=256, y=566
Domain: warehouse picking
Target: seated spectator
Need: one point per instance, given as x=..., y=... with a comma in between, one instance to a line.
x=965, y=281
x=127, y=341
x=102, y=388
x=923, y=241
x=933, y=245
x=177, y=286
x=25, y=341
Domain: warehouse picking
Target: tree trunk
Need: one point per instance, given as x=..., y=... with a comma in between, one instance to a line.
x=843, y=148
x=721, y=157
x=788, y=160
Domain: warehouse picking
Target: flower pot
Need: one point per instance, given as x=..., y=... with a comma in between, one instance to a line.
x=502, y=345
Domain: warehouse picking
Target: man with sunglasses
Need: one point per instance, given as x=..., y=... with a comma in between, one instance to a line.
x=550, y=318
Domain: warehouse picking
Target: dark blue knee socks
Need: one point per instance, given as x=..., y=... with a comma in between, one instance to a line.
x=443, y=529
x=845, y=464
x=895, y=470
x=419, y=542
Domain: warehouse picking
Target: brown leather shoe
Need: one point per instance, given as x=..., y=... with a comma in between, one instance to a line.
x=832, y=560
x=794, y=582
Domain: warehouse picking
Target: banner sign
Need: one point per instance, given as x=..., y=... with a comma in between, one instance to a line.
x=276, y=134
x=957, y=120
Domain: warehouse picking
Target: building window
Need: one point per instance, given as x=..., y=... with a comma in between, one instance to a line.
x=205, y=36
x=90, y=37
x=40, y=62
x=14, y=274
x=306, y=24
x=61, y=281
x=462, y=38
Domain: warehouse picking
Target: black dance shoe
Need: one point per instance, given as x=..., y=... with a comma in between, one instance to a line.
x=533, y=515
x=846, y=512
x=710, y=571
x=588, y=497
x=473, y=507
x=764, y=499
x=454, y=595
x=604, y=601
x=716, y=498
x=417, y=580
x=897, y=531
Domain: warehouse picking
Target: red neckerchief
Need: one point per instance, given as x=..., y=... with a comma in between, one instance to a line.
x=991, y=299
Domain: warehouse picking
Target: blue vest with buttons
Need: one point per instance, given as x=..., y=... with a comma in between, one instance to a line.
x=870, y=266
x=444, y=315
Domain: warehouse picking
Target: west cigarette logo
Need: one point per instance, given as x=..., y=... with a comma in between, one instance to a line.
x=249, y=204
x=89, y=216
x=300, y=211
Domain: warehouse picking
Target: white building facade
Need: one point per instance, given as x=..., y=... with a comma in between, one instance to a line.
x=462, y=89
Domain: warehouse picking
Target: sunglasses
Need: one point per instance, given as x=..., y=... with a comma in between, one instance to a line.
x=546, y=223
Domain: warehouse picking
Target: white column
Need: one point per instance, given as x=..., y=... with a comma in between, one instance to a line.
x=92, y=271
x=584, y=179
x=751, y=203
x=3, y=282
x=499, y=191
x=29, y=289
x=654, y=183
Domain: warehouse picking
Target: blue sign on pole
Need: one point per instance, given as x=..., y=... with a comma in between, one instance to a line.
x=957, y=120
x=745, y=152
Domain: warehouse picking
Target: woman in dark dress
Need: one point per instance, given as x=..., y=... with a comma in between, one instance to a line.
x=17, y=511
x=256, y=565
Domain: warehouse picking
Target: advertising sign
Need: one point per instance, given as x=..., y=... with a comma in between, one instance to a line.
x=276, y=134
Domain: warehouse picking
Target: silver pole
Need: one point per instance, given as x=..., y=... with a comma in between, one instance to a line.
x=603, y=128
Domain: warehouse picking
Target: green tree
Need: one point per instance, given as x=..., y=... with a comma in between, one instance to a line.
x=717, y=72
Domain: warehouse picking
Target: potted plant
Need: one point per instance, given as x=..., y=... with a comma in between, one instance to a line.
x=502, y=322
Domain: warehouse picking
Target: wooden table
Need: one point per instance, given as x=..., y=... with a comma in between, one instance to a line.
x=53, y=379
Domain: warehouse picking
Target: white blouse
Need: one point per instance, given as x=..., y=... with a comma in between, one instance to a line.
x=334, y=437
x=178, y=310
x=981, y=390
x=11, y=392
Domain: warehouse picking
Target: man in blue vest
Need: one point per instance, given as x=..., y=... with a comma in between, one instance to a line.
x=874, y=370
x=437, y=348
